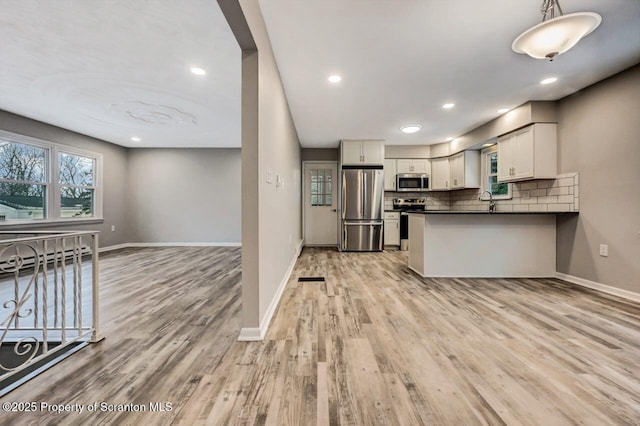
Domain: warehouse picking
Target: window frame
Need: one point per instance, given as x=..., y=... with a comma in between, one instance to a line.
x=52, y=184
x=486, y=172
x=323, y=184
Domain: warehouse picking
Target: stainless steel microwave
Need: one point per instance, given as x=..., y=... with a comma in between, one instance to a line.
x=412, y=182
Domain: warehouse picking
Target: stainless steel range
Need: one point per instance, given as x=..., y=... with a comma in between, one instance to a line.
x=405, y=205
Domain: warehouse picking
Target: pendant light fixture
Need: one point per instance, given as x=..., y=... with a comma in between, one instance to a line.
x=555, y=34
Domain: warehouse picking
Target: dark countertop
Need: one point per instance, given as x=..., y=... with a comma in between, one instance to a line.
x=486, y=212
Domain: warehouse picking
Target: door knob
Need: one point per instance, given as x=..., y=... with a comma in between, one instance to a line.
x=334, y=210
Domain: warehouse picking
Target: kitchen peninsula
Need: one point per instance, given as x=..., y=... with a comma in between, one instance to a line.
x=483, y=244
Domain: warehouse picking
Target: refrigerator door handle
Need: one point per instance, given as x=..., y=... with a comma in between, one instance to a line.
x=344, y=233
x=362, y=223
x=363, y=200
x=344, y=196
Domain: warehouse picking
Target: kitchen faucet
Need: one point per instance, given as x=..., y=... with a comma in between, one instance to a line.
x=492, y=204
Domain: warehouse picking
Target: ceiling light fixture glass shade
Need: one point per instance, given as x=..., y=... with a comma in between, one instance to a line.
x=412, y=128
x=555, y=35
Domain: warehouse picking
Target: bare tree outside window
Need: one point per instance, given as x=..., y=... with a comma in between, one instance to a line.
x=23, y=179
x=76, y=185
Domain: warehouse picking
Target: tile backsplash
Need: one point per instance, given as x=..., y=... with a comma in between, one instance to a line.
x=554, y=195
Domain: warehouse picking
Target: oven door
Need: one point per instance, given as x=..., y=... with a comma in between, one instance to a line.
x=407, y=183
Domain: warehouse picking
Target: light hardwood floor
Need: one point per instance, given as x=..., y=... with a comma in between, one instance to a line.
x=374, y=344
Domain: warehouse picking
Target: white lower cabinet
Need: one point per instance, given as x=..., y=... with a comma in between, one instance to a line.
x=391, y=229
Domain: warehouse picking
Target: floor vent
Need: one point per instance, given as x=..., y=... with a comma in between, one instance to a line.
x=310, y=279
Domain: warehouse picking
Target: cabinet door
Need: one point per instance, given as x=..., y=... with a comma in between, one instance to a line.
x=392, y=232
x=421, y=166
x=373, y=152
x=456, y=165
x=505, y=158
x=440, y=173
x=405, y=166
x=389, y=175
x=352, y=152
x=523, y=153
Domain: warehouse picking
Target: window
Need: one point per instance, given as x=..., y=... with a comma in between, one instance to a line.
x=23, y=186
x=43, y=181
x=76, y=185
x=499, y=190
x=321, y=191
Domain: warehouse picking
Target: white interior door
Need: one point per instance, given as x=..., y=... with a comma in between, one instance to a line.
x=320, y=204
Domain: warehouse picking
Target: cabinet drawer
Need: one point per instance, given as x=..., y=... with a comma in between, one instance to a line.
x=391, y=215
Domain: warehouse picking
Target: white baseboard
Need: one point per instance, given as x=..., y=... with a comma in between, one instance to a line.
x=625, y=294
x=114, y=247
x=250, y=334
x=127, y=245
x=253, y=334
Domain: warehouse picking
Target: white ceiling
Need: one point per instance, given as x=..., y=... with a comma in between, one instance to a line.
x=120, y=68
x=401, y=60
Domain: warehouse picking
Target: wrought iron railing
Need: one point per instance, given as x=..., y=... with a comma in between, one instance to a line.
x=48, y=296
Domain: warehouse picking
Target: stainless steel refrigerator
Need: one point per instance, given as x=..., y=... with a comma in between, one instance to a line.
x=362, y=207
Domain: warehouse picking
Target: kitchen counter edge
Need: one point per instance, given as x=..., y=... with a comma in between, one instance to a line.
x=486, y=212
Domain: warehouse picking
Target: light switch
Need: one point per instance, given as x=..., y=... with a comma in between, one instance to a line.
x=604, y=250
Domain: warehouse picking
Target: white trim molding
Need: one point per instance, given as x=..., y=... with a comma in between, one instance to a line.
x=128, y=245
x=625, y=294
x=250, y=334
x=253, y=334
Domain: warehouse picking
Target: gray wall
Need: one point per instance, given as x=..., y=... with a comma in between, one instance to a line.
x=184, y=195
x=599, y=137
x=114, y=174
x=271, y=214
x=154, y=195
x=320, y=154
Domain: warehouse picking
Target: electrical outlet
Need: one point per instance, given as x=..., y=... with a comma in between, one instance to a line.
x=113, y=228
x=269, y=177
x=604, y=250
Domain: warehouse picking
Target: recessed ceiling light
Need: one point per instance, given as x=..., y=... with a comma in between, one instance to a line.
x=334, y=79
x=549, y=80
x=503, y=110
x=448, y=106
x=487, y=144
x=411, y=128
x=135, y=139
x=449, y=139
x=198, y=71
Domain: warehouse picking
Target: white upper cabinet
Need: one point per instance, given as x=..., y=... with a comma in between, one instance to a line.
x=390, y=174
x=440, y=174
x=351, y=152
x=528, y=153
x=414, y=166
x=465, y=170
x=362, y=152
x=373, y=152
